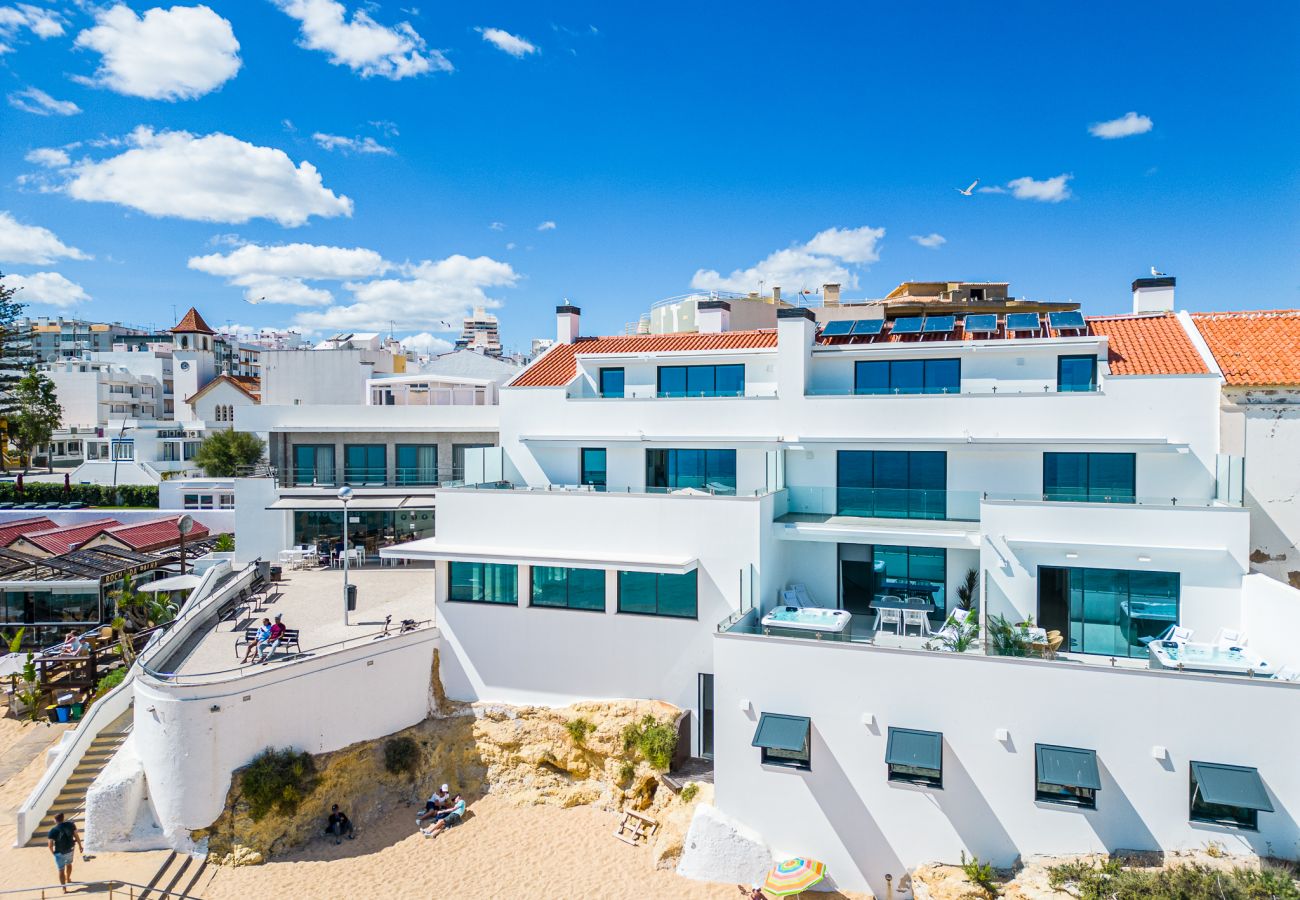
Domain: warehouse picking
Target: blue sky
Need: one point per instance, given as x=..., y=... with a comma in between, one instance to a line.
x=356, y=164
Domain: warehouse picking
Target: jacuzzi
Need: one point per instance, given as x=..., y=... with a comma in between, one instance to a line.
x=808, y=618
x=1207, y=658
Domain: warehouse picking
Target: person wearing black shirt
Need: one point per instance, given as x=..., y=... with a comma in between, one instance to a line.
x=62, y=837
x=339, y=825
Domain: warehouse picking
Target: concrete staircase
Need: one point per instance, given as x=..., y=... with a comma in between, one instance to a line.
x=72, y=799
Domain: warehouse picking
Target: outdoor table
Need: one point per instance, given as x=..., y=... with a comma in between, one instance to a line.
x=881, y=603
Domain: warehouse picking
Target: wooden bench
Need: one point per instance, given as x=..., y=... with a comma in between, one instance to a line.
x=635, y=827
x=290, y=637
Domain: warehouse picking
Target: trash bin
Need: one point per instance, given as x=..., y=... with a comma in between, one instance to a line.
x=352, y=598
x=276, y=572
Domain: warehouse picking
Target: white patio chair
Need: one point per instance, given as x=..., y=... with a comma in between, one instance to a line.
x=888, y=598
x=801, y=591
x=917, y=617
x=890, y=617
x=1230, y=637
x=1287, y=673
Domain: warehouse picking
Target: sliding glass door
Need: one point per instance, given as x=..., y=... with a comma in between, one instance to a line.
x=1108, y=612
x=892, y=484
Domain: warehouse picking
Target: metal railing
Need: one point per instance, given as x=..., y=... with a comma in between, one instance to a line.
x=994, y=391
x=683, y=491
x=1117, y=498
x=110, y=887
x=365, y=476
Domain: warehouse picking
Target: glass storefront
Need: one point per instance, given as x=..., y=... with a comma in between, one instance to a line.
x=369, y=529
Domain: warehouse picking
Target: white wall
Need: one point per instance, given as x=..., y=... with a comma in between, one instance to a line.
x=310, y=377
x=259, y=532
x=192, y=737
x=846, y=813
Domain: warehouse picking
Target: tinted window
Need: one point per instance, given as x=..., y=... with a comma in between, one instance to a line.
x=1089, y=477
x=1076, y=373
x=907, y=376
x=657, y=594
x=593, y=467
x=611, y=382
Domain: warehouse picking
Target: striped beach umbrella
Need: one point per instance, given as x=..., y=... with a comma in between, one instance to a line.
x=793, y=876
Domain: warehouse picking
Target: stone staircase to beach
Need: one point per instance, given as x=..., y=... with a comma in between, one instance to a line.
x=72, y=799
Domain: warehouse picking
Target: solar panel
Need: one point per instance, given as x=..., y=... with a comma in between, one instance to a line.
x=980, y=324
x=909, y=325
x=1067, y=320
x=838, y=328
x=868, y=326
x=1023, y=322
x=935, y=324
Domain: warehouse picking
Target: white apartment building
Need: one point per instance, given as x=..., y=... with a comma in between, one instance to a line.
x=658, y=501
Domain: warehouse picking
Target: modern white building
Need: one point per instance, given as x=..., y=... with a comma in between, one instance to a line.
x=657, y=501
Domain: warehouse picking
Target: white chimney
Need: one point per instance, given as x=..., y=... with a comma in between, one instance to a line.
x=713, y=316
x=1153, y=295
x=776, y=293
x=566, y=323
x=831, y=294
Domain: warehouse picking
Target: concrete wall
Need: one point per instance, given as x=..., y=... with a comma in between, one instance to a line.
x=192, y=736
x=846, y=813
x=317, y=377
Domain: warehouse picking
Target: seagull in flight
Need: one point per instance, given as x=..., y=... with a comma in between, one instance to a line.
x=969, y=190
x=1155, y=274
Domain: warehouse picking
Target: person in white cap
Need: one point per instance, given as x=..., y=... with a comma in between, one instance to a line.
x=440, y=800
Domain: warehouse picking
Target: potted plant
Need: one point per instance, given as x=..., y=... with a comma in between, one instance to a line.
x=25, y=698
x=968, y=590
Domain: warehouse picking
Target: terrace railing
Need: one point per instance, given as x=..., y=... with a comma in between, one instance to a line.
x=884, y=503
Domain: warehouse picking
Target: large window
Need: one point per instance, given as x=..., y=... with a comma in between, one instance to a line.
x=370, y=530
x=417, y=463
x=784, y=741
x=313, y=463
x=912, y=572
x=894, y=484
x=907, y=376
x=1109, y=612
x=711, y=471
x=1076, y=373
x=593, y=467
x=1227, y=795
x=915, y=757
x=1090, y=477
x=470, y=582
x=702, y=381
x=652, y=594
x=364, y=463
x=611, y=382
x=568, y=588
x=1066, y=775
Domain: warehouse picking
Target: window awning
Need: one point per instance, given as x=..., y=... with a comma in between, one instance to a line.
x=1067, y=767
x=356, y=504
x=1231, y=786
x=920, y=749
x=436, y=548
x=778, y=732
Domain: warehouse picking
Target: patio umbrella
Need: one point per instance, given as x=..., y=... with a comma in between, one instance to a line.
x=793, y=876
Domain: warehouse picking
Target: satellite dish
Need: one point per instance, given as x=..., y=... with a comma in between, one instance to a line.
x=345, y=493
x=185, y=524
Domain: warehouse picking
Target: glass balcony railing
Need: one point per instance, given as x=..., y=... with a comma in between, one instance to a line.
x=1009, y=390
x=1102, y=497
x=884, y=503
x=400, y=476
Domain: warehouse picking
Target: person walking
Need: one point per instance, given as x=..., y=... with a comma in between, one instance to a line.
x=62, y=837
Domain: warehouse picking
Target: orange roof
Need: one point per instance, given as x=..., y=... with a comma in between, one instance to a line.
x=245, y=384
x=192, y=321
x=1255, y=347
x=557, y=366
x=1148, y=345
x=63, y=539
x=12, y=530
x=155, y=533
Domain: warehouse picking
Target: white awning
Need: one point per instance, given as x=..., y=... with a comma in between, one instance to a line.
x=175, y=583
x=432, y=548
x=356, y=504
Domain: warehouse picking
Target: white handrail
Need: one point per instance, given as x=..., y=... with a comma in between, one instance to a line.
x=106, y=709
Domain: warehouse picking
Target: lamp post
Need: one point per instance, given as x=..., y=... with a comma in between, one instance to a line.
x=345, y=494
x=184, y=525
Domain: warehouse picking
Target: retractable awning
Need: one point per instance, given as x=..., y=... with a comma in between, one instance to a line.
x=908, y=747
x=1067, y=767
x=435, y=548
x=356, y=504
x=780, y=732
x=1238, y=786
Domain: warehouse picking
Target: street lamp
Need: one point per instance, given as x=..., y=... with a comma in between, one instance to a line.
x=184, y=525
x=345, y=494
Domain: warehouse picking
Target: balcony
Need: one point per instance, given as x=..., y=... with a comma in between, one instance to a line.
x=356, y=476
x=1187, y=501
x=883, y=503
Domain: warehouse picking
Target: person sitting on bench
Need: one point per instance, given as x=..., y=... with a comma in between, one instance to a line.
x=444, y=820
x=273, y=644
x=339, y=825
x=255, y=646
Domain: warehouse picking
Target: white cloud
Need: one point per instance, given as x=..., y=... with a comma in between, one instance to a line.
x=1126, y=125
x=37, y=102
x=424, y=342
x=361, y=43
x=825, y=258
x=498, y=226
x=991, y=189
x=50, y=157
x=385, y=127
x=352, y=145
x=430, y=291
x=508, y=43
x=165, y=54
x=511, y=245
x=47, y=287
x=44, y=23
x=1049, y=190
x=33, y=244
x=933, y=240
x=213, y=178
x=547, y=226
x=278, y=274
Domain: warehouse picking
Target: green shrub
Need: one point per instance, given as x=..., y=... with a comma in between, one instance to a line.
x=278, y=780
x=980, y=874
x=143, y=495
x=401, y=755
x=627, y=771
x=578, y=730
x=689, y=791
x=110, y=681
x=1006, y=639
x=1110, y=879
x=655, y=741
x=225, y=543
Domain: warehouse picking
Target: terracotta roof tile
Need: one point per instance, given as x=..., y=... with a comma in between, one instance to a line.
x=192, y=321
x=1148, y=345
x=11, y=531
x=154, y=534
x=62, y=539
x=1259, y=347
x=558, y=365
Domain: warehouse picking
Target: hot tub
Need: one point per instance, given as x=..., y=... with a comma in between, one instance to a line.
x=1207, y=658
x=808, y=618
